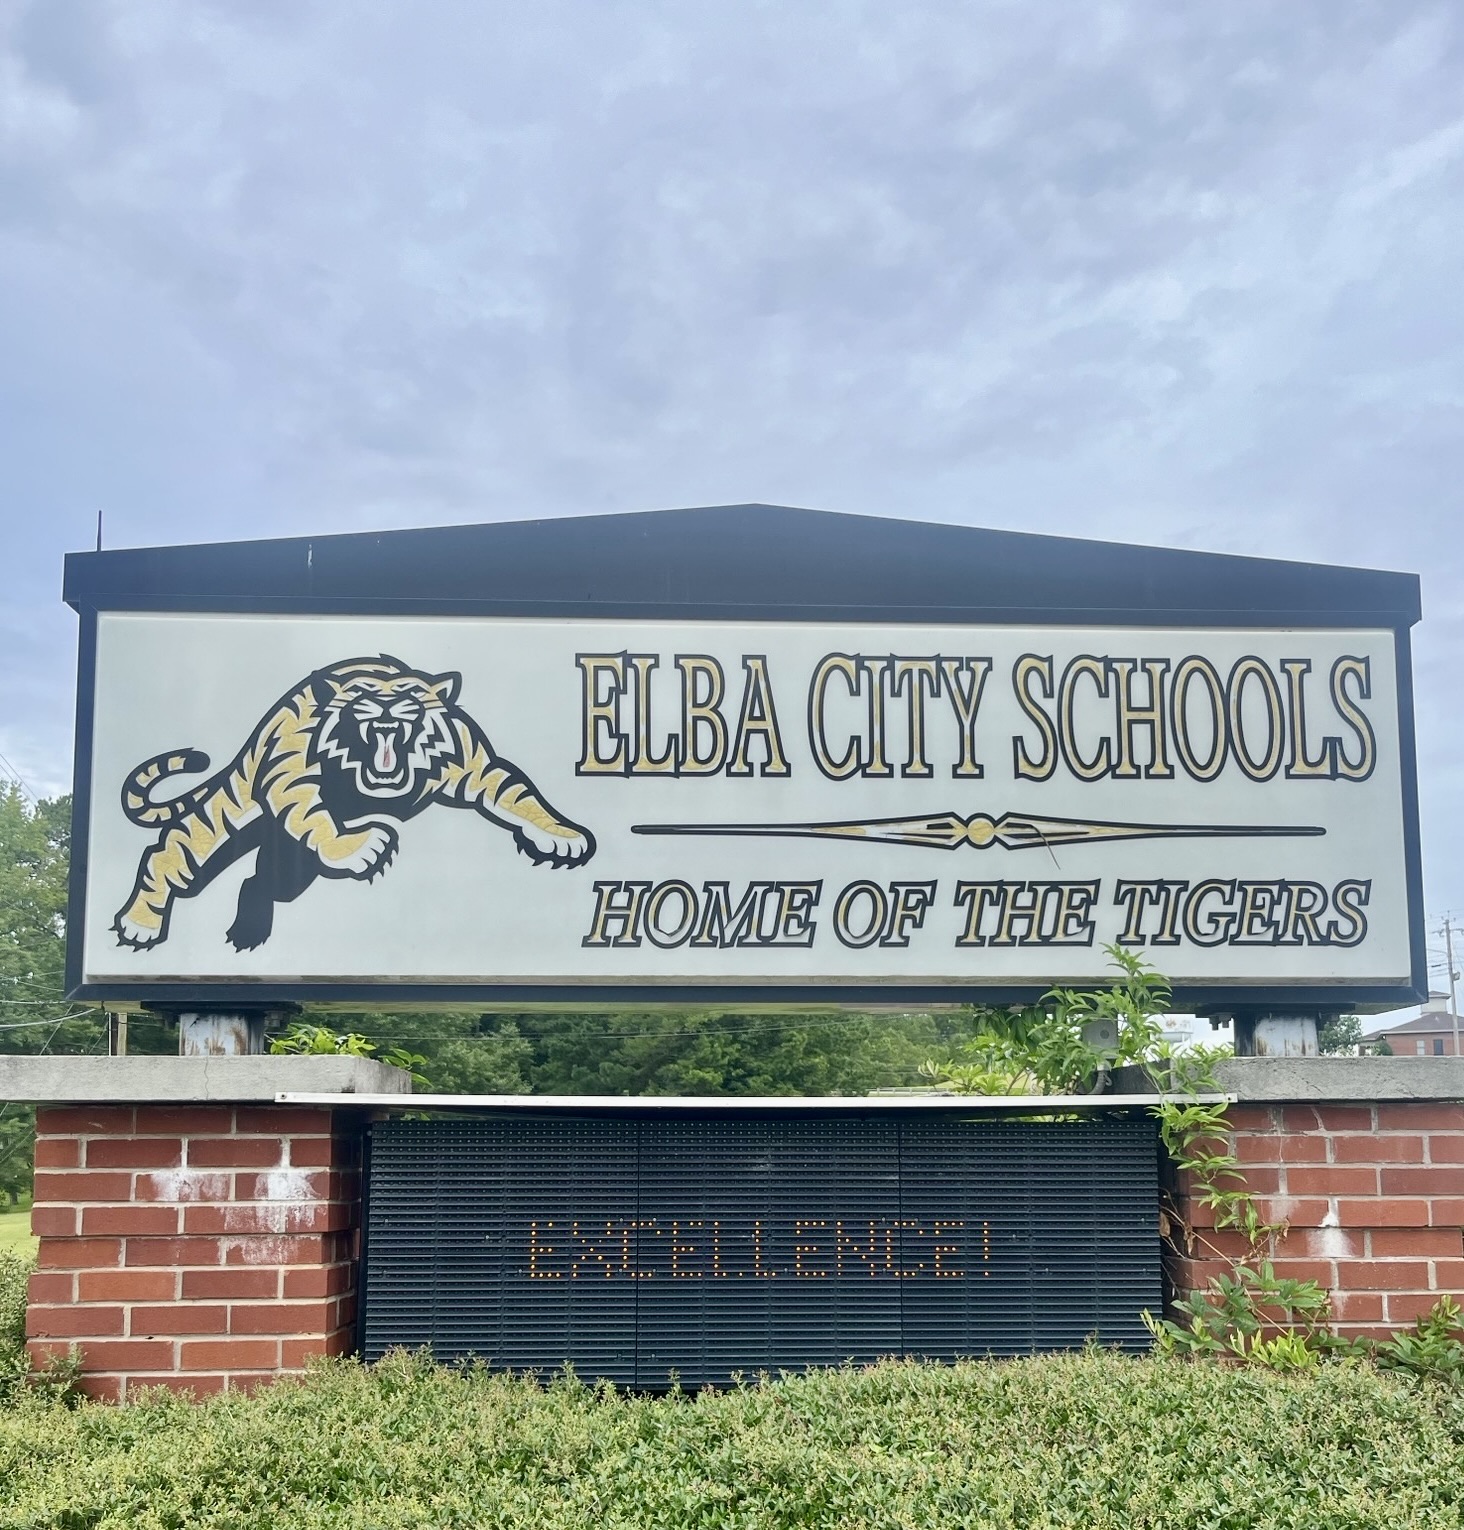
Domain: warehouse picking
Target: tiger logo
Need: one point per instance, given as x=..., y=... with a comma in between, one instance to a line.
x=316, y=791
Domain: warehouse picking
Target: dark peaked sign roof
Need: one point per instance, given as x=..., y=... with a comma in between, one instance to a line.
x=760, y=561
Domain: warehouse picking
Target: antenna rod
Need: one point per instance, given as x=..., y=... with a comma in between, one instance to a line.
x=99, y=531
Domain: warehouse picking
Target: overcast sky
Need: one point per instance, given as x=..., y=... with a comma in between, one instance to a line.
x=1188, y=275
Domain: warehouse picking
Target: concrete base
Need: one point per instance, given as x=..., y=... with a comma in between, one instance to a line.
x=154, y=1080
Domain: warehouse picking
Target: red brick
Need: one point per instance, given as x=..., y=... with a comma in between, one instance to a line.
x=127, y=1285
x=227, y=1285
x=1260, y=1179
x=346, y=1311
x=1189, y=1274
x=283, y=1317
x=53, y=1221
x=304, y=1120
x=293, y=1185
x=184, y=1120
x=179, y=1185
x=132, y=1221
x=106, y=1389
x=134, y=1153
x=235, y=1152
x=1414, y=1242
x=1294, y=1210
x=183, y=1386
x=1398, y=1148
x=83, y=1120
x=327, y=1280
x=1446, y=1148
x=276, y=1248
x=1319, y=1270
x=129, y=1355
x=1331, y=1179
x=1300, y=1118
x=68, y=1189
x=57, y=1153
x=1383, y=1213
x=180, y=1317
x=1409, y=1306
x=295, y=1354
x=1378, y=1332
x=1421, y=1117
x=52, y=1286
x=1357, y=1307
x=1228, y=1246
x=1383, y=1275
x=1449, y=1275
x=172, y=1251
x=1258, y=1149
x=324, y=1153
x=268, y=1218
x=1251, y=1118
x=1322, y=1243
x=79, y=1253
x=1423, y=1179
x=1300, y=1149
x=229, y=1354
x=42, y=1350
x=1345, y=1118
x=1447, y=1212
x=254, y=1381
x=72, y=1322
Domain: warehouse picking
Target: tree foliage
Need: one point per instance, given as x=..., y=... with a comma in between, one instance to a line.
x=680, y=1051
x=35, y=842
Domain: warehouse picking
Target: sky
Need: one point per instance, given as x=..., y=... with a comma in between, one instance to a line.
x=1180, y=275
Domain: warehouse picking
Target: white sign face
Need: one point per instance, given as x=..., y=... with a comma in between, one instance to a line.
x=464, y=801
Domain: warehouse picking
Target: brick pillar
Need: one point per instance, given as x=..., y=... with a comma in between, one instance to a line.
x=1374, y=1199
x=200, y=1246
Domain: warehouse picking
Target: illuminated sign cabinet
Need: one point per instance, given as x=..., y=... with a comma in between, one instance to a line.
x=743, y=754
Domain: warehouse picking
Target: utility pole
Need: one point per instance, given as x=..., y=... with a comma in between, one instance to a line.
x=1448, y=934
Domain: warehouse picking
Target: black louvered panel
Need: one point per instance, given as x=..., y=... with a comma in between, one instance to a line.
x=637, y=1247
x=492, y=1237
x=1053, y=1227
x=757, y=1284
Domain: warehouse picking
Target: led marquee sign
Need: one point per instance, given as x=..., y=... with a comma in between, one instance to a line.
x=510, y=803
x=640, y=1247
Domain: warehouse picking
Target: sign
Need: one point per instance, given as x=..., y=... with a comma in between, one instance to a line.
x=701, y=1246
x=616, y=761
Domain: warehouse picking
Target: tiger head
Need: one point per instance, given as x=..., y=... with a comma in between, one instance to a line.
x=384, y=724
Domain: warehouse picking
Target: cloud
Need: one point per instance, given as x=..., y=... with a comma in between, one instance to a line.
x=1183, y=275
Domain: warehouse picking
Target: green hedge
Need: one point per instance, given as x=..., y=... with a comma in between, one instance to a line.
x=14, y=1278
x=1094, y=1440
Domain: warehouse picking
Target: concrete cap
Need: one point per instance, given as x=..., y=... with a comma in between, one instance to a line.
x=1304, y=1080
x=61, y=1080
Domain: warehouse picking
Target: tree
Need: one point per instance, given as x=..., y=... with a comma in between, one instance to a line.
x=666, y=1051
x=1341, y=1036
x=35, y=842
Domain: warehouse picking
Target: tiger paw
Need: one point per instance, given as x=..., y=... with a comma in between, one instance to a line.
x=562, y=844
x=372, y=850
x=138, y=935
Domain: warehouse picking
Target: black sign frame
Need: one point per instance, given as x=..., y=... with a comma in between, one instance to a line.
x=750, y=563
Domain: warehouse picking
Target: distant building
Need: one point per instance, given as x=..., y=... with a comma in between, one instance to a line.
x=1431, y=1034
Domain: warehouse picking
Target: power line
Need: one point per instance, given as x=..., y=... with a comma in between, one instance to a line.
x=25, y=1025
x=19, y=780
